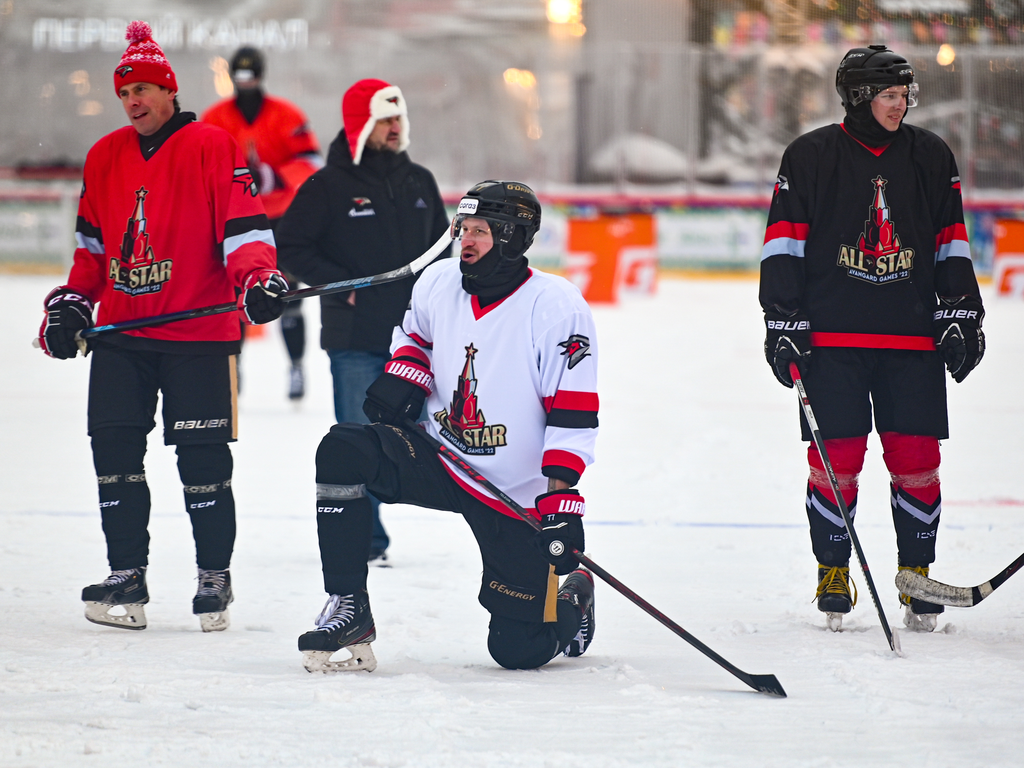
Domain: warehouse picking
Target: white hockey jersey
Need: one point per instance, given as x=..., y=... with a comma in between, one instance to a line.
x=512, y=386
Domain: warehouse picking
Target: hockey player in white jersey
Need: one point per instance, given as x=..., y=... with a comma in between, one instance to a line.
x=506, y=359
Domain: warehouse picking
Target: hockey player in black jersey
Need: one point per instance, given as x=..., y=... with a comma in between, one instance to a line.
x=867, y=284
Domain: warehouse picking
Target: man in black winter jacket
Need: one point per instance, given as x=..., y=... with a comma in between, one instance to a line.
x=369, y=210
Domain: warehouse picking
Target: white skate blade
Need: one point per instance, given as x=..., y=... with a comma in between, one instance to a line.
x=214, y=622
x=320, y=661
x=834, y=621
x=920, y=622
x=134, y=616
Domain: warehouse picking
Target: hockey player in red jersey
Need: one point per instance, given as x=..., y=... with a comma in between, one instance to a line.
x=282, y=152
x=506, y=359
x=867, y=284
x=168, y=220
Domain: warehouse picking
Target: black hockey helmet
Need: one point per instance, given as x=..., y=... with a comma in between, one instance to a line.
x=510, y=207
x=865, y=72
x=247, y=64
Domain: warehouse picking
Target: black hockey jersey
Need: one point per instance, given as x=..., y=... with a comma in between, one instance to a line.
x=863, y=239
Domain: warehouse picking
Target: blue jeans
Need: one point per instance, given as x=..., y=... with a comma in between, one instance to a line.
x=353, y=371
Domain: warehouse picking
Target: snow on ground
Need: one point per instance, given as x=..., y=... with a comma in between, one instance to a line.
x=696, y=503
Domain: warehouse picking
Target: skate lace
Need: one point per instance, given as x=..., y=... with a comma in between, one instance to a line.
x=921, y=569
x=119, y=577
x=340, y=610
x=837, y=581
x=211, y=583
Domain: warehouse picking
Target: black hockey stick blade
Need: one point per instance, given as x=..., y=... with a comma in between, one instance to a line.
x=924, y=588
x=819, y=441
x=412, y=268
x=762, y=683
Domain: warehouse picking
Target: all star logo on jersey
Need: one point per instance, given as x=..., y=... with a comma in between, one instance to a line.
x=463, y=424
x=575, y=348
x=781, y=184
x=877, y=257
x=137, y=271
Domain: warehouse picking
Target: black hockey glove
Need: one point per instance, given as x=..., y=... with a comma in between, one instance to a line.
x=958, y=334
x=392, y=399
x=788, y=340
x=67, y=312
x=561, y=520
x=261, y=291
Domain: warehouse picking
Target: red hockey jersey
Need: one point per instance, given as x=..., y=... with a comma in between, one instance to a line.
x=177, y=231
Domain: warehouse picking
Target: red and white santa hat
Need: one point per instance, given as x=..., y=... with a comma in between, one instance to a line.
x=143, y=61
x=363, y=105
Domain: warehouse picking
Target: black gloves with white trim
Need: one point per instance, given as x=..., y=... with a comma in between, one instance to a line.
x=561, y=520
x=787, y=340
x=68, y=311
x=261, y=295
x=958, y=335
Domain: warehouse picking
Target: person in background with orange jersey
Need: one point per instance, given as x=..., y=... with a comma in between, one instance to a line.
x=282, y=152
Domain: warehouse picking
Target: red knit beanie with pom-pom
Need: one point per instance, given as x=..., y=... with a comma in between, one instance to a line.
x=143, y=61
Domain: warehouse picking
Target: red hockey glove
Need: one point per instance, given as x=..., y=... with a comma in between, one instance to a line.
x=561, y=520
x=68, y=311
x=958, y=334
x=261, y=291
x=788, y=339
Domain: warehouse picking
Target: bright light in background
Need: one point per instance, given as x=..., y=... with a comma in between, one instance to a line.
x=80, y=79
x=524, y=78
x=568, y=13
x=221, y=77
x=945, y=55
x=565, y=11
x=523, y=84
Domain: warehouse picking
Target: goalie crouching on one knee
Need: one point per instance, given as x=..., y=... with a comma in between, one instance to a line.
x=505, y=359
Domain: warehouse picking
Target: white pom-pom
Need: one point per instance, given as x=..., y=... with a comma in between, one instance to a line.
x=138, y=31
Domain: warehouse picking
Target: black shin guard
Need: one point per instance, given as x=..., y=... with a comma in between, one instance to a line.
x=205, y=472
x=118, y=456
x=344, y=526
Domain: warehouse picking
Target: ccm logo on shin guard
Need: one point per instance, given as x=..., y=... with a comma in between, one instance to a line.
x=329, y=510
x=202, y=504
x=201, y=424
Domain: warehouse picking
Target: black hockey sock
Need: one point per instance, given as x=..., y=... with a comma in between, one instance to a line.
x=118, y=455
x=293, y=328
x=344, y=528
x=569, y=618
x=205, y=472
x=830, y=540
x=916, y=523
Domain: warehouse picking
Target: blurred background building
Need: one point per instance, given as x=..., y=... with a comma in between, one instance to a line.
x=668, y=104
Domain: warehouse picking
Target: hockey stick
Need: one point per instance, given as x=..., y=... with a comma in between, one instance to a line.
x=892, y=637
x=923, y=588
x=413, y=267
x=763, y=683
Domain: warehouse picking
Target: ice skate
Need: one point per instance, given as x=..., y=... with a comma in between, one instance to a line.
x=578, y=589
x=920, y=615
x=296, y=382
x=212, y=600
x=836, y=594
x=378, y=558
x=345, y=622
x=123, y=592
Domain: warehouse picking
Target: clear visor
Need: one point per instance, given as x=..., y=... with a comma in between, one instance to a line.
x=473, y=229
x=890, y=95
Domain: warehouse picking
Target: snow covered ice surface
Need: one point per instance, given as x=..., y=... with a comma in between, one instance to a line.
x=696, y=503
